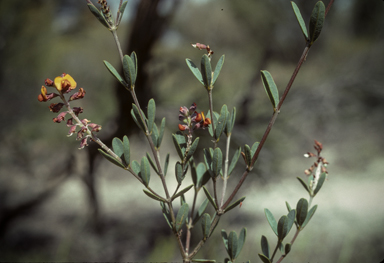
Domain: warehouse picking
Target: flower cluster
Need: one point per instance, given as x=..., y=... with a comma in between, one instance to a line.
x=65, y=84
x=192, y=119
x=318, y=167
x=202, y=46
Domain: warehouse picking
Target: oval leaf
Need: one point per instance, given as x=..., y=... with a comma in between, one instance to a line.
x=127, y=154
x=264, y=258
x=200, y=211
x=320, y=183
x=206, y=225
x=287, y=248
x=180, y=175
x=316, y=22
x=241, y=241
x=151, y=113
x=265, y=246
x=145, y=171
x=303, y=184
x=115, y=73
x=217, y=162
x=98, y=15
x=129, y=71
x=221, y=124
x=301, y=211
x=118, y=146
x=300, y=20
x=192, y=149
x=186, y=189
x=282, y=228
x=271, y=220
x=219, y=65
x=311, y=212
x=234, y=204
x=111, y=159
x=232, y=245
x=206, y=71
x=181, y=217
x=211, y=200
x=194, y=70
x=270, y=87
x=153, y=196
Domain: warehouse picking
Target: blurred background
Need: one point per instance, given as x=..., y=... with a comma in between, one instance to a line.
x=59, y=203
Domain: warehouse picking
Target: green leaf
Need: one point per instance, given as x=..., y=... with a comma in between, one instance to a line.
x=151, y=113
x=181, y=217
x=206, y=71
x=271, y=88
x=300, y=20
x=129, y=71
x=230, y=123
x=137, y=117
x=303, y=184
x=200, y=211
x=320, y=183
x=254, y=148
x=221, y=124
x=121, y=11
x=127, y=154
x=209, y=197
x=180, y=143
x=204, y=260
x=265, y=246
x=234, y=204
x=166, y=165
x=208, y=160
x=241, y=241
x=111, y=159
x=248, y=155
x=145, y=171
x=232, y=245
x=218, y=67
x=203, y=175
x=264, y=258
x=288, y=206
x=166, y=214
x=115, y=73
x=291, y=219
x=134, y=59
x=152, y=163
x=235, y=158
x=217, y=162
x=192, y=149
x=182, y=200
x=309, y=216
x=162, y=128
x=136, y=167
x=98, y=15
x=225, y=239
x=154, y=197
x=180, y=175
x=301, y=211
x=155, y=135
x=186, y=189
x=195, y=70
x=271, y=220
x=117, y=146
x=282, y=227
x=206, y=225
x=214, y=120
x=287, y=248
x=316, y=22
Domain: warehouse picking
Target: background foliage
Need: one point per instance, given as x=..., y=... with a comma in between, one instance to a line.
x=337, y=99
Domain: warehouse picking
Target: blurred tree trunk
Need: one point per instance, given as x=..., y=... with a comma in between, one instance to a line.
x=148, y=26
